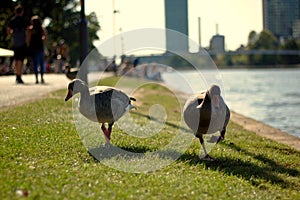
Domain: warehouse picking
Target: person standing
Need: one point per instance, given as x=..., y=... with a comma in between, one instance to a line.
x=17, y=26
x=36, y=35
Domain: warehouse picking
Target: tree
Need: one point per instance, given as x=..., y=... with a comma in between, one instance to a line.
x=252, y=38
x=177, y=61
x=62, y=18
x=6, y=9
x=290, y=59
x=265, y=41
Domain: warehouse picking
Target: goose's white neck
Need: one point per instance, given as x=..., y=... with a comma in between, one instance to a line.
x=84, y=91
x=87, y=104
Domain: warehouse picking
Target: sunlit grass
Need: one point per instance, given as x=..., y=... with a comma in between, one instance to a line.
x=42, y=153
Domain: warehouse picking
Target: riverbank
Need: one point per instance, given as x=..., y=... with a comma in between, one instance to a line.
x=265, y=130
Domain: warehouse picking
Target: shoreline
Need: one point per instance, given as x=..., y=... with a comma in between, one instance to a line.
x=264, y=130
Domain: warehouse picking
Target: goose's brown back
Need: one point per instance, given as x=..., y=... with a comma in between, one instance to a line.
x=105, y=104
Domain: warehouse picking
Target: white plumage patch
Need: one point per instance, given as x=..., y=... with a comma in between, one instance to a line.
x=129, y=107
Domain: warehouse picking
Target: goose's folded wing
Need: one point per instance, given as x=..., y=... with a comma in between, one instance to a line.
x=99, y=89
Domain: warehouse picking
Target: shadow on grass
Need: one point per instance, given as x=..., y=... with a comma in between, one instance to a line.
x=110, y=151
x=273, y=165
x=254, y=173
x=257, y=174
x=136, y=152
x=136, y=149
x=166, y=123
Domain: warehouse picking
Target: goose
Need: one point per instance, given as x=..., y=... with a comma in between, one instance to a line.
x=207, y=113
x=102, y=104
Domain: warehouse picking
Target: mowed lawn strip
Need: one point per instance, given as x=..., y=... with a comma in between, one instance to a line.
x=42, y=156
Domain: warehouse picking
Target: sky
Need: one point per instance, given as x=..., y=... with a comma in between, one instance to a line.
x=235, y=18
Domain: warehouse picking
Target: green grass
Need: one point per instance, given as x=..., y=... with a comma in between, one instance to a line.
x=42, y=153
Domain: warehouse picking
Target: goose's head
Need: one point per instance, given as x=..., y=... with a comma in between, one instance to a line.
x=214, y=94
x=74, y=87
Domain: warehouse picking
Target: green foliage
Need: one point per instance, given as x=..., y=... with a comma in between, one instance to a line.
x=239, y=59
x=41, y=153
x=290, y=59
x=265, y=41
x=262, y=50
x=177, y=61
x=252, y=39
x=63, y=19
x=6, y=10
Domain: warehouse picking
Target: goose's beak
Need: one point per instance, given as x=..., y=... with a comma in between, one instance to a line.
x=69, y=95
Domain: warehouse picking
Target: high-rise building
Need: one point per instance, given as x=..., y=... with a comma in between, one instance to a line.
x=296, y=29
x=176, y=18
x=281, y=17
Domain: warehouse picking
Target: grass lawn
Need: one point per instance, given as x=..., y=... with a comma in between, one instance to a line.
x=43, y=157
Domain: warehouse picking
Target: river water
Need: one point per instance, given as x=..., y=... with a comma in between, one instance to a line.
x=271, y=96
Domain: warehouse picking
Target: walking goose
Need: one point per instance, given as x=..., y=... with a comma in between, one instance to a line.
x=101, y=104
x=207, y=113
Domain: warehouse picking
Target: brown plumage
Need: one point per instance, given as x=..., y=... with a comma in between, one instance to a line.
x=101, y=104
x=207, y=113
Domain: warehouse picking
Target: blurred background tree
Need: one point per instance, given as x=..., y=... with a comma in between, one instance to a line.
x=293, y=58
x=61, y=20
x=264, y=41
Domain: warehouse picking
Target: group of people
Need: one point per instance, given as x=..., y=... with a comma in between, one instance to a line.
x=28, y=40
x=150, y=71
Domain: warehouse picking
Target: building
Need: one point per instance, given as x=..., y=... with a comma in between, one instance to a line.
x=296, y=29
x=217, y=44
x=281, y=16
x=176, y=18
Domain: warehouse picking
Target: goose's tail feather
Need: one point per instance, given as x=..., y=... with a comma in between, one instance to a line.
x=130, y=106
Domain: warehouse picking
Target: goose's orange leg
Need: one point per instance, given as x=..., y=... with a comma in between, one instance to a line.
x=106, y=133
